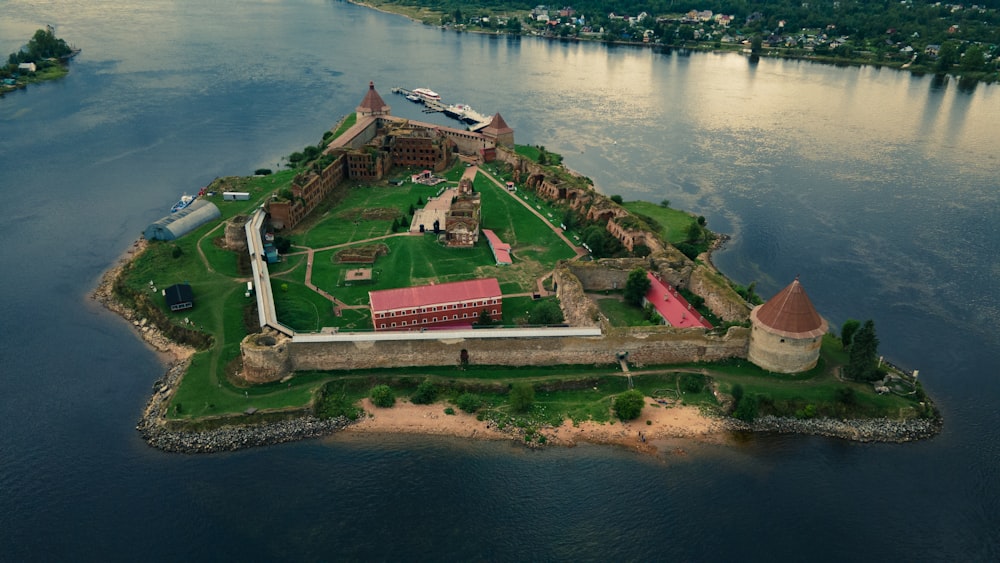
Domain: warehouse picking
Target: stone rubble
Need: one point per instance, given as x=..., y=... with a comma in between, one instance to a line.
x=857, y=430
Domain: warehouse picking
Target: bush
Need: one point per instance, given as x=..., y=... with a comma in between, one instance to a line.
x=746, y=409
x=425, y=394
x=469, y=402
x=449, y=411
x=382, y=396
x=692, y=382
x=262, y=172
x=522, y=397
x=629, y=404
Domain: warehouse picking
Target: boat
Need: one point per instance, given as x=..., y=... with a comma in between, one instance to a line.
x=413, y=97
x=427, y=94
x=185, y=201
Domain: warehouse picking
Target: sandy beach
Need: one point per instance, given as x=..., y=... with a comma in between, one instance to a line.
x=666, y=422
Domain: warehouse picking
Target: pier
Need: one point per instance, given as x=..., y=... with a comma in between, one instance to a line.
x=460, y=112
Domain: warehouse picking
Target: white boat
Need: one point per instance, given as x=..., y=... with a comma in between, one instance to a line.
x=427, y=94
x=185, y=201
x=413, y=97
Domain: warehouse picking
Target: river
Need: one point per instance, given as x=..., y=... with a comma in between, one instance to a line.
x=879, y=188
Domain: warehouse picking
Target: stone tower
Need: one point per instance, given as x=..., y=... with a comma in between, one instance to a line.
x=787, y=332
x=372, y=104
x=499, y=132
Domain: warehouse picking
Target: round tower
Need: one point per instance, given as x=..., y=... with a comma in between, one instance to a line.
x=787, y=332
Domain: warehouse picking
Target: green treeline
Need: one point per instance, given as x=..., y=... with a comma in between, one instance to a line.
x=43, y=45
x=929, y=36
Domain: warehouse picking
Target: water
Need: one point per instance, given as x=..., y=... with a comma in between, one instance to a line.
x=878, y=187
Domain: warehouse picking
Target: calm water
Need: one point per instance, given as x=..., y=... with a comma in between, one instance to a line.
x=879, y=188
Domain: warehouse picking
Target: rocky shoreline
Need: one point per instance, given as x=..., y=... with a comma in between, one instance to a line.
x=856, y=430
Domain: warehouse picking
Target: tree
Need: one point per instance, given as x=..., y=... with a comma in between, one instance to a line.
x=484, y=318
x=425, y=394
x=665, y=203
x=863, y=354
x=522, y=397
x=746, y=408
x=469, y=402
x=382, y=396
x=629, y=404
x=636, y=286
x=694, y=232
x=547, y=312
x=617, y=199
x=755, y=44
x=847, y=331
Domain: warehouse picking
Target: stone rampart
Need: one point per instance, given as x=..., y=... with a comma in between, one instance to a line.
x=719, y=296
x=267, y=357
x=578, y=309
x=661, y=346
x=236, y=238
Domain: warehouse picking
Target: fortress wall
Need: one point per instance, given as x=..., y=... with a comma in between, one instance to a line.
x=236, y=236
x=719, y=296
x=578, y=309
x=780, y=354
x=608, y=273
x=266, y=357
x=647, y=347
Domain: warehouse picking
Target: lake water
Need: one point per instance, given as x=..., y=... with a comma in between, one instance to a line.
x=879, y=188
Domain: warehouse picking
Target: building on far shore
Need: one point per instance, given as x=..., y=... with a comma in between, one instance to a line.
x=429, y=306
x=787, y=332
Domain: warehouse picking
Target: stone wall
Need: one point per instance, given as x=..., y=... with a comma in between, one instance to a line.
x=236, y=236
x=719, y=296
x=578, y=309
x=657, y=346
x=266, y=357
x=781, y=354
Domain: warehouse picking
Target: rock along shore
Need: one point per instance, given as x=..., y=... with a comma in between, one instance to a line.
x=856, y=430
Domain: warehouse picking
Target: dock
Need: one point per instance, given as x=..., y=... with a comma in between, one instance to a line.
x=460, y=112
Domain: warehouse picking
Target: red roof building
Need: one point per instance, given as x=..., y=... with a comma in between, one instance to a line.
x=434, y=306
x=501, y=250
x=672, y=307
x=372, y=104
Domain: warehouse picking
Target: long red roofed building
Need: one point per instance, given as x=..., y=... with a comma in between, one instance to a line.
x=437, y=305
x=672, y=307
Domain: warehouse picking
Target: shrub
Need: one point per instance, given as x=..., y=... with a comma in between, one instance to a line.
x=262, y=172
x=449, y=411
x=844, y=395
x=629, y=404
x=522, y=397
x=382, y=396
x=692, y=382
x=425, y=394
x=469, y=402
x=746, y=409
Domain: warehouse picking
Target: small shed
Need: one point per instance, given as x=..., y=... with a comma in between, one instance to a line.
x=178, y=224
x=235, y=196
x=179, y=296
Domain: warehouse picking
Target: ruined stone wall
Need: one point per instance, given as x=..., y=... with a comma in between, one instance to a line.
x=236, y=236
x=266, y=357
x=719, y=296
x=607, y=273
x=578, y=309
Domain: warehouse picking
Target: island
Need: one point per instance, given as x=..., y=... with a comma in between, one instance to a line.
x=43, y=58
x=404, y=276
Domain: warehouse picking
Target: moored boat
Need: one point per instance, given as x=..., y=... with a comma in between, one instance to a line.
x=427, y=94
x=185, y=201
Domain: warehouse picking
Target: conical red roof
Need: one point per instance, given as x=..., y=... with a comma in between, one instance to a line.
x=373, y=103
x=790, y=313
x=497, y=127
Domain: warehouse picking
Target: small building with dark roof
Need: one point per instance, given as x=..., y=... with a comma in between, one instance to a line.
x=179, y=296
x=786, y=332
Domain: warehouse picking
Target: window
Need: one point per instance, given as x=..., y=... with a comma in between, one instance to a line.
x=454, y=317
x=394, y=325
x=404, y=323
x=465, y=315
x=434, y=320
x=494, y=311
x=382, y=326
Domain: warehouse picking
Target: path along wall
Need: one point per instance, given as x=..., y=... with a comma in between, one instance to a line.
x=648, y=345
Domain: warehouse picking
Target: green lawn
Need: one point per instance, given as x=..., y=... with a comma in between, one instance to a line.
x=530, y=238
x=620, y=313
x=674, y=224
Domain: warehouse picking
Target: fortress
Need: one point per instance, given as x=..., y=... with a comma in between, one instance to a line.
x=784, y=335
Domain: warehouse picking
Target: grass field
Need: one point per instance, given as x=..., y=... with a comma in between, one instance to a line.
x=620, y=313
x=674, y=223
